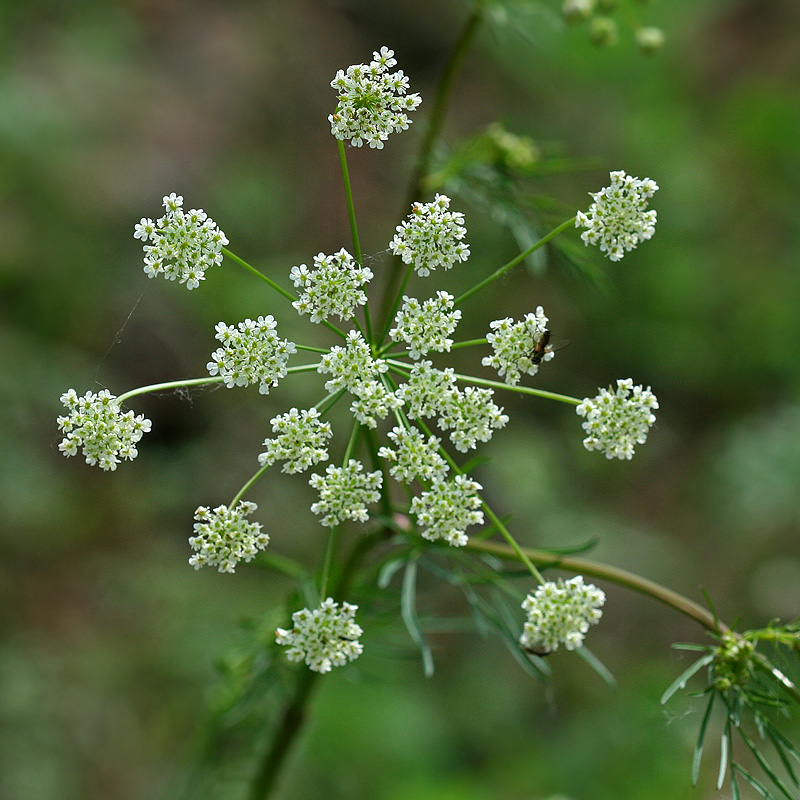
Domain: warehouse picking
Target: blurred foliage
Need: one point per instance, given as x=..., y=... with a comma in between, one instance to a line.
x=110, y=642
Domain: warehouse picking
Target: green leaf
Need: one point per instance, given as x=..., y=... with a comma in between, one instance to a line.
x=698, y=749
x=681, y=680
x=408, y=611
x=724, y=748
x=759, y=787
x=597, y=665
x=766, y=766
x=388, y=571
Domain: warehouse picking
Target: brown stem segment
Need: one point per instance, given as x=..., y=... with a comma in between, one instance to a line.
x=619, y=576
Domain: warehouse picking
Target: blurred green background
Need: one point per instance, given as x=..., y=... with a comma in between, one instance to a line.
x=109, y=640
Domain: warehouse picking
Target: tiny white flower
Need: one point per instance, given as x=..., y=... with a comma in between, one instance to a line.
x=471, y=416
x=513, y=346
x=223, y=537
x=414, y=457
x=324, y=637
x=618, y=219
x=448, y=509
x=427, y=389
x=431, y=237
x=345, y=492
x=251, y=353
x=98, y=426
x=618, y=420
x=426, y=326
x=352, y=365
x=372, y=101
x=373, y=401
x=333, y=286
x=183, y=244
x=301, y=441
x=560, y=613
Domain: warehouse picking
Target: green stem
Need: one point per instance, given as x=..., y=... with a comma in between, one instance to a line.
x=434, y=126
x=158, y=387
x=621, y=577
x=514, y=261
x=440, y=102
x=289, y=726
x=351, y=213
x=327, y=561
x=468, y=343
x=294, y=714
x=520, y=553
x=260, y=275
x=403, y=369
x=334, y=534
x=277, y=287
x=562, y=398
x=240, y=494
x=395, y=304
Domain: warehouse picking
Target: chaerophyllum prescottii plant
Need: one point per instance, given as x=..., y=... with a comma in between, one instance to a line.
x=397, y=473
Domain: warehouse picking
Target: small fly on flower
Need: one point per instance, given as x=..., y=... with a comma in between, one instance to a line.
x=543, y=349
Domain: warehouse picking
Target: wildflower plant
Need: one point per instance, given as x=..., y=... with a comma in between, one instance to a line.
x=397, y=475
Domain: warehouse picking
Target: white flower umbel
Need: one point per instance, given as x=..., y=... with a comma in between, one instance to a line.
x=324, y=638
x=426, y=326
x=223, y=537
x=426, y=389
x=513, y=345
x=448, y=509
x=618, y=218
x=353, y=368
x=333, y=286
x=431, y=237
x=345, y=492
x=471, y=416
x=351, y=365
x=560, y=613
x=183, y=244
x=414, y=457
x=617, y=420
x=373, y=402
x=251, y=353
x=373, y=102
x=100, y=428
x=302, y=440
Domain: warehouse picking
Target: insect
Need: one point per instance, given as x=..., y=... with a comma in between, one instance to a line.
x=545, y=348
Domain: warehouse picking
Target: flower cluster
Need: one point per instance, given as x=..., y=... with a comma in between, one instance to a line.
x=425, y=388
x=332, y=287
x=517, y=346
x=251, y=353
x=448, y=509
x=471, y=416
x=345, y=492
x=223, y=537
x=183, y=244
x=98, y=426
x=324, y=638
x=617, y=420
x=413, y=456
x=426, y=326
x=301, y=441
x=373, y=102
x=353, y=368
x=560, y=613
x=431, y=237
x=618, y=218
